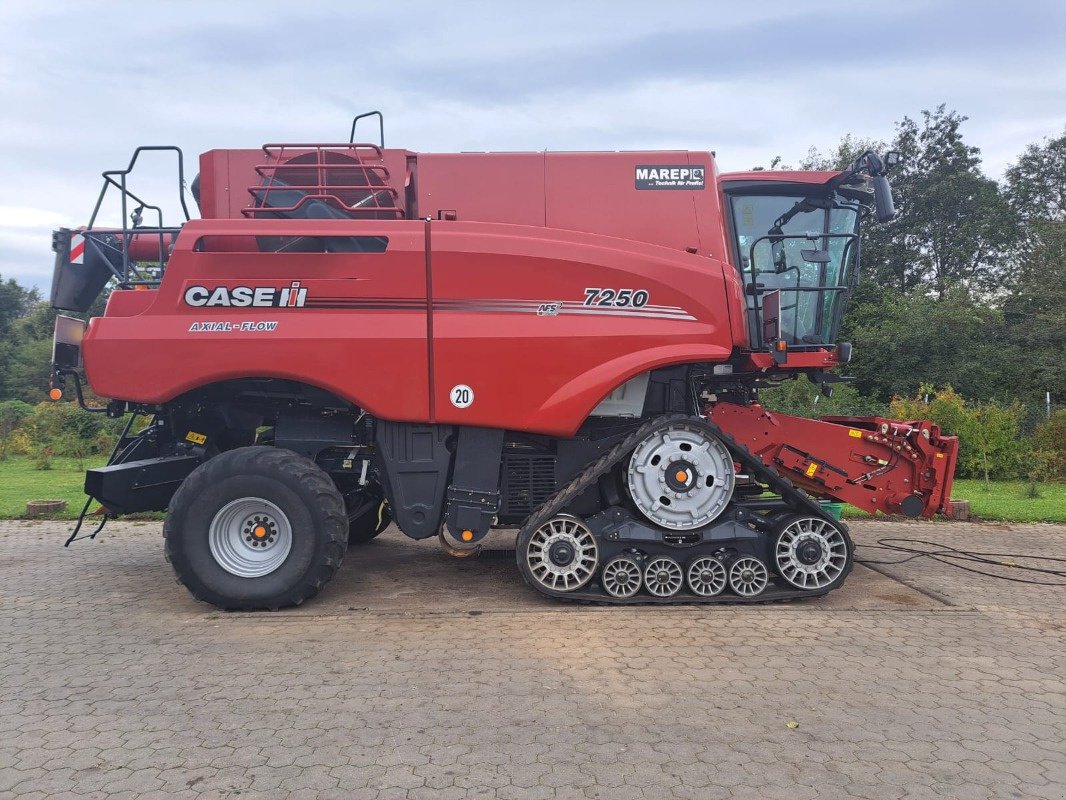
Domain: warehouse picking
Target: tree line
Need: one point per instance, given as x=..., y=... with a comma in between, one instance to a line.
x=962, y=295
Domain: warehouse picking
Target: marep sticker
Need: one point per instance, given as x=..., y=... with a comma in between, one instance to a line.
x=670, y=176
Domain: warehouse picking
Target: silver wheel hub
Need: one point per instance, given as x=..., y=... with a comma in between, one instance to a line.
x=681, y=478
x=748, y=576
x=250, y=537
x=562, y=554
x=811, y=553
x=662, y=577
x=706, y=576
x=621, y=577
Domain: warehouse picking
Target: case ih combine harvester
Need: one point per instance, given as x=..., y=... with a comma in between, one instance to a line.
x=571, y=344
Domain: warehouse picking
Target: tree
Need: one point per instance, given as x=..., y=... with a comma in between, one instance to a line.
x=904, y=340
x=1036, y=185
x=954, y=226
x=15, y=303
x=1036, y=308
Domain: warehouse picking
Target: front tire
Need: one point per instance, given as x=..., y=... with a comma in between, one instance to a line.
x=256, y=528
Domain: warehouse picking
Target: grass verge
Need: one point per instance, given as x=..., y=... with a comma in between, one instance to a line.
x=21, y=483
x=1002, y=501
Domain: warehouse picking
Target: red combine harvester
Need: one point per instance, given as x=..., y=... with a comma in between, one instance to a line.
x=571, y=344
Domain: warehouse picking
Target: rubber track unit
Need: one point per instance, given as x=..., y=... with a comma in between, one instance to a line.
x=304, y=471
x=562, y=498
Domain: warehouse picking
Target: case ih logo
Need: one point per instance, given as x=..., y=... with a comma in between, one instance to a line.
x=669, y=176
x=291, y=296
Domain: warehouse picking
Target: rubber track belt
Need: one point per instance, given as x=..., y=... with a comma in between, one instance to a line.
x=597, y=469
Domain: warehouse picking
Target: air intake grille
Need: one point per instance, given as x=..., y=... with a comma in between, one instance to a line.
x=528, y=480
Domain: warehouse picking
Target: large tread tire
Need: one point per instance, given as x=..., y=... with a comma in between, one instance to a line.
x=298, y=486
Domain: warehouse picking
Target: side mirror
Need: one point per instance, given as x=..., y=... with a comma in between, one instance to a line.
x=815, y=256
x=886, y=209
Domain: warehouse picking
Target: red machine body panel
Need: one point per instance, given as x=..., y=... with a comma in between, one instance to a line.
x=510, y=321
x=587, y=192
x=360, y=334
x=498, y=303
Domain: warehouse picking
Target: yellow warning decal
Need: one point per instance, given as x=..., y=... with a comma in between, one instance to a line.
x=195, y=438
x=854, y=434
x=811, y=469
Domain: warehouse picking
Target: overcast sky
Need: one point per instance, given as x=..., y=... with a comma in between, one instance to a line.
x=83, y=83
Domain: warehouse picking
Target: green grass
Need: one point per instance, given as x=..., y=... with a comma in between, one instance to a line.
x=20, y=483
x=1005, y=501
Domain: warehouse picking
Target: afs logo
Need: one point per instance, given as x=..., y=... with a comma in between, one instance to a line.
x=292, y=296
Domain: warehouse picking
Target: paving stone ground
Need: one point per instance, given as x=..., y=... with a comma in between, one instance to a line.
x=417, y=676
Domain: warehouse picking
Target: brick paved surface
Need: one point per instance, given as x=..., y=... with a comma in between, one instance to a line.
x=913, y=681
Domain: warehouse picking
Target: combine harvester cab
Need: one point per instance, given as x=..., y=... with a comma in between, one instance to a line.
x=570, y=344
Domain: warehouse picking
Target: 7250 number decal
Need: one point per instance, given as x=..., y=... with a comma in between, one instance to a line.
x=616, y=298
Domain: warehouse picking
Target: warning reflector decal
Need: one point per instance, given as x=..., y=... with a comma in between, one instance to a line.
x=77, y=248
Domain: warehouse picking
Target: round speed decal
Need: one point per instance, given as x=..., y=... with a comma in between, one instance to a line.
x=462, y=396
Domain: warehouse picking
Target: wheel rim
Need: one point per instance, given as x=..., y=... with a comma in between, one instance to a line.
x=706, y=576
x=748, y=577
x=621, y=577
x=250, y=537
x=681, y=478
x=662, y=577
x=811, y=553
x=562, y=554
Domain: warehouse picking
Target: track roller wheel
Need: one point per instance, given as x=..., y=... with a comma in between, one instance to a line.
x=812, y=553
x=748, y=576
x=663, y=577
x=621, y=576
x=561, y=555
x=706, y=576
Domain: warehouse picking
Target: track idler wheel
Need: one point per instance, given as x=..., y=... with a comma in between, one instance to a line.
x=622, y=576
x=706, y=576
x=560, y=555
x=663, y=577
x=748, y=577
x=812, y=553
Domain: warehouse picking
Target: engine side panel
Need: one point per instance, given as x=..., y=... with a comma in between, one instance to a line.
x=357, y=328
x=515, y=323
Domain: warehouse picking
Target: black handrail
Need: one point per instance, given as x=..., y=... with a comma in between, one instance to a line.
x=381, y=126
x=117, y=178
x=753, y=287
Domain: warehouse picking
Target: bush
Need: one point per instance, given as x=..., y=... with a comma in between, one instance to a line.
x=12, y=414
x=801, y=398
x=990, y=441
x=1050, y=440
x=63, y=429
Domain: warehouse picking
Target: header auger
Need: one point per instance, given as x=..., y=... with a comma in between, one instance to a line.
x=570, y=344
